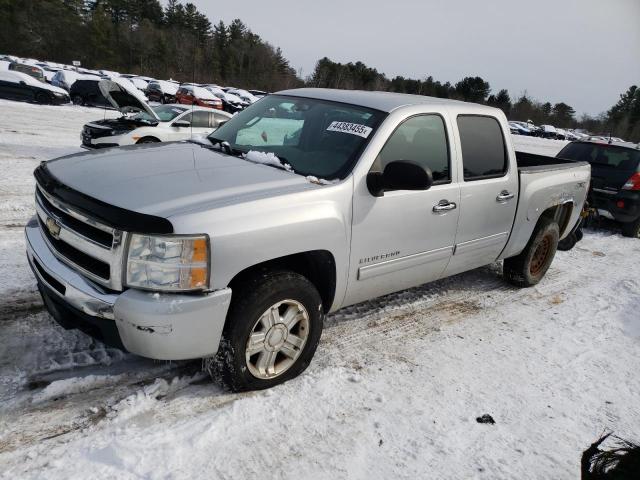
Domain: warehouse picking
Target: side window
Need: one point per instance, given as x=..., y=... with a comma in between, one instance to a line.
x=483, y=150
x=200, y=119
x=421, y=139
x=214, y=119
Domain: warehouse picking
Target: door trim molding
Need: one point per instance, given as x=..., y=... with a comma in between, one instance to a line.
x=496, y=239
x=402, y=263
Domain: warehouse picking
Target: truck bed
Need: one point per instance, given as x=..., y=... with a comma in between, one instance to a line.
x=532, y=162
x=545, y=182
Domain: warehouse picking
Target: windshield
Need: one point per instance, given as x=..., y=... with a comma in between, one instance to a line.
x=166, y=113
x=625, y=159
x=315, y=137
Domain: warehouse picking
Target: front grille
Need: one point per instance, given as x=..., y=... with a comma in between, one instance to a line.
x=88, y=246
x=96, y=132
x=86, y=262
x=93, y=233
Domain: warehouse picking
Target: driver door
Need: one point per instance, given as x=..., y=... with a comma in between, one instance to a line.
x=406, y=237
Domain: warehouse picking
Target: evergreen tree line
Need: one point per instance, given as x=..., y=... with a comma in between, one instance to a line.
x=143, y=37
x=622, y=120
x=177, y=41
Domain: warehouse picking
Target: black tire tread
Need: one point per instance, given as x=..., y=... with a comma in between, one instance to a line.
x=251, y=292
x=516, y=269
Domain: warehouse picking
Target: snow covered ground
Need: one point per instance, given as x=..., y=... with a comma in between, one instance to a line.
x=394, y=390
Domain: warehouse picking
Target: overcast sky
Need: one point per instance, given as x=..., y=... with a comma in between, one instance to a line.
x=582, y=52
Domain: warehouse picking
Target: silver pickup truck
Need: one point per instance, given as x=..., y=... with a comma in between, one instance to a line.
x=235, y=247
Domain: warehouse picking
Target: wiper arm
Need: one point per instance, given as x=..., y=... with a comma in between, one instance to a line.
x=223, y=144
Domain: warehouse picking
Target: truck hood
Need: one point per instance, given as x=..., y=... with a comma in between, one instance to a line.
x=124, y=96
x=167, y=179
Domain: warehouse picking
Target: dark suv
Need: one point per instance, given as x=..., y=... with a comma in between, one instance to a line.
x=86, y=92
x=615, y=180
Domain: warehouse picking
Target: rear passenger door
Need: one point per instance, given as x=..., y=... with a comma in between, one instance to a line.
x=488, y=193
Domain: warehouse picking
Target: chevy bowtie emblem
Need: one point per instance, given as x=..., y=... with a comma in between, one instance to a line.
x=54, y=227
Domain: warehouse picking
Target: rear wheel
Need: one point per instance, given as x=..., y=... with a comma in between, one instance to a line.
x=631, y=229
x=77, y=100
x=528, y=268
x=271, y=333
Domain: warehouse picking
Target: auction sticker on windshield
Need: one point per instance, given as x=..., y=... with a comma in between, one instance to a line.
x=352, y=128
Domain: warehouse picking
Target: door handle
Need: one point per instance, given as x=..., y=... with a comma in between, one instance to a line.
x=504, y=196
x=444, y=206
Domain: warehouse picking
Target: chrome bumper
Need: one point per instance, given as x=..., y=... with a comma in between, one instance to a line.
x=160, y=326
x=79, y=292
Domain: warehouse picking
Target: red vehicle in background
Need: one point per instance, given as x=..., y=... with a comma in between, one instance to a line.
x=193, y=95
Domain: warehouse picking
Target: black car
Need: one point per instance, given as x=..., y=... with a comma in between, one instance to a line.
x=86, y=92
x=615, y=180
x=20, y=86
x=156, y=93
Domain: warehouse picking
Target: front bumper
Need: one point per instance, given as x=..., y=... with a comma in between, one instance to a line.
x=161, y=326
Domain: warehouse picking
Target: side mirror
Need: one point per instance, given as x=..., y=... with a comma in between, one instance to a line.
x=181, y=123
x=399, y=175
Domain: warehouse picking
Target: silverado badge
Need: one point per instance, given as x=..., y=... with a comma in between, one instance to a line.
x=54, y=227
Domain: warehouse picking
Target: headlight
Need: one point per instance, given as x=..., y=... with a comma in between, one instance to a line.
x=168, y=263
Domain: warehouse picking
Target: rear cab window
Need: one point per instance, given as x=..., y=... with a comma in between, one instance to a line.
x=484, y=153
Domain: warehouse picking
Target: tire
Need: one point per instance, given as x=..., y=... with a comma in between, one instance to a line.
x=235, y=365
x=42, y=98
x=568, y=243
x=631, y=229
x=77, y=100
x=530, y=266
x=147, y=140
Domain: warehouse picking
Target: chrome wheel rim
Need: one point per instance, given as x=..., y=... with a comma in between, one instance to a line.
x=277, y=339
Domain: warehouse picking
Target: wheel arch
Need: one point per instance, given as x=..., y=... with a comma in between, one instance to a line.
x=560, y=213
x=317, y=266
x=148, y=137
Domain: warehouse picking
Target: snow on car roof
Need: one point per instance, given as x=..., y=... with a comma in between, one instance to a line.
x=384, y=101
x=17, y=77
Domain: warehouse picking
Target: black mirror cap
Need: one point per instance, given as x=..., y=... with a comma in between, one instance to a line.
x=375, y=183
x=399, y=175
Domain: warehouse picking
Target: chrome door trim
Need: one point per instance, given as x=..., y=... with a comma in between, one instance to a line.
x=464, y=247
x=402, y=263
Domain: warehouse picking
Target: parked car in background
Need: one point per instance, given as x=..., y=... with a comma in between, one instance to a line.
x=162, y=91
x=87, y=92
x=548, y=131
x=194, y=95
x=31, y=70
x=518, y=129
x=65, y=78
x=258, y=93
x=142, y=123
x=20, y=86
x=230, y=102
x=244, y=95
x=615, y=180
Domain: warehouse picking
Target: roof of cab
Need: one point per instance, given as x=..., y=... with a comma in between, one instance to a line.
x=384, y=101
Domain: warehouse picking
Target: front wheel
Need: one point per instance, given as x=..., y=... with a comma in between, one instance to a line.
x=271, y=333
x=528, y=268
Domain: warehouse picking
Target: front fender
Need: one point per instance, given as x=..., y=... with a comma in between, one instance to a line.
x=253, y=232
